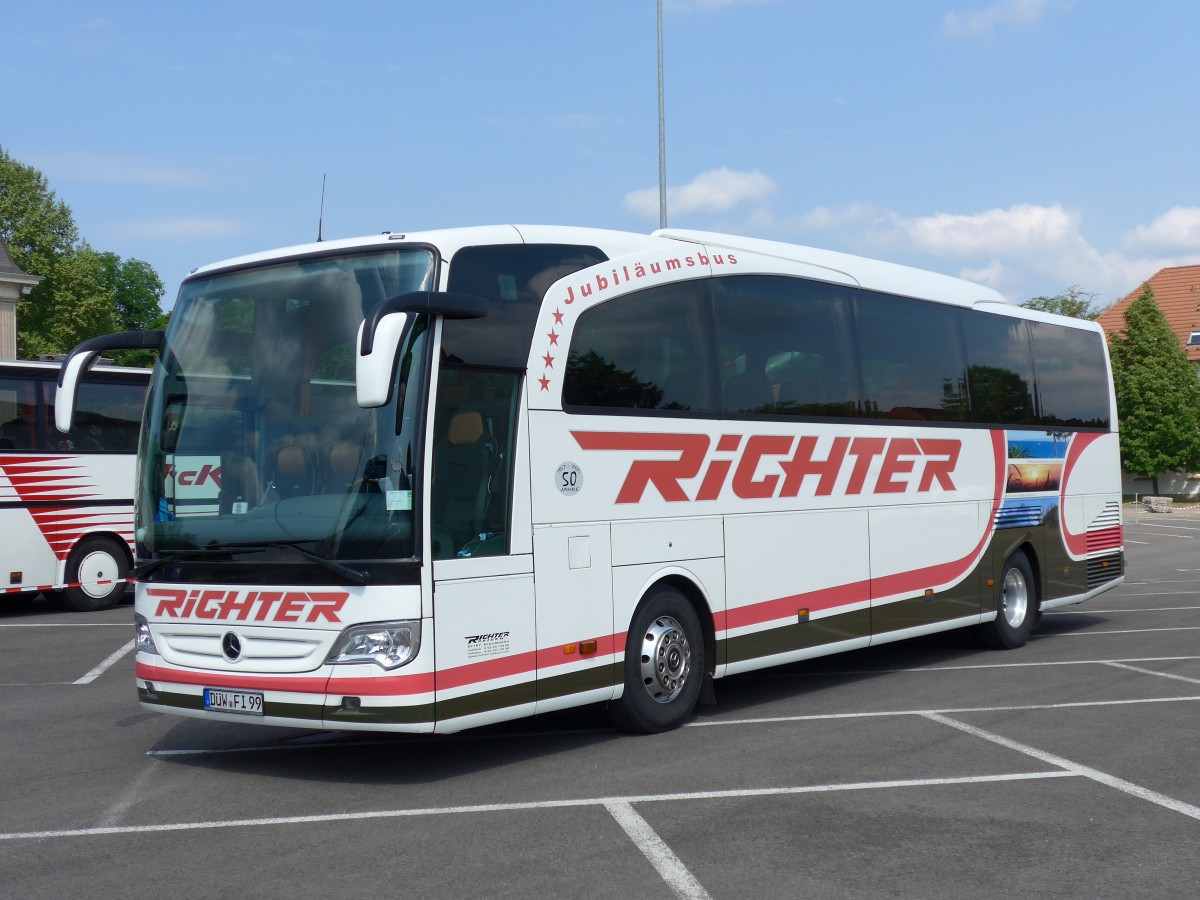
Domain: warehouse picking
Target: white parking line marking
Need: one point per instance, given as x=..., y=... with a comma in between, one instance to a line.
x=1117, y=665
x=1112, y=781
x=1188, y=527
x=533, y=805
x=1076, y=612
x=1130, y=594
x=681, y=882
x=1093, y=632
x=106, y=665
x=882, y=714
x=758, y=676
x=129, y=797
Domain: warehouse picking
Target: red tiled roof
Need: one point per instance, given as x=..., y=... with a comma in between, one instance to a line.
x=1177, y=293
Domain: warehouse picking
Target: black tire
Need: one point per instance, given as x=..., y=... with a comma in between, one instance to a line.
x=664, y=664
x=1017, y=607
x=95, y=559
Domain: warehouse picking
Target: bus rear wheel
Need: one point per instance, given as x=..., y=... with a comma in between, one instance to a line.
x=96, y=573
x=1016, y=607
x=664, y=665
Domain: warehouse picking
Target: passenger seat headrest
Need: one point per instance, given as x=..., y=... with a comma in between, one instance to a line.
x=465, y=428
x=292, y=461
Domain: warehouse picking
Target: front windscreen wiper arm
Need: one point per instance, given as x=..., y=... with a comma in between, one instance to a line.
x=153, y=565
x=354, y=576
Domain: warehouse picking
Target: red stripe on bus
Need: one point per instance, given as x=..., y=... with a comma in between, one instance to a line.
x=1077, y=544
x=887, y=585
x=382, y=686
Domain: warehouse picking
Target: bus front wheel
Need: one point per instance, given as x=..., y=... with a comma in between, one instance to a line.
x=1016, y=607
x=664, y=664
x=96, y=573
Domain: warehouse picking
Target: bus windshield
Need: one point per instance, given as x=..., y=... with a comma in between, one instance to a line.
x=253, y=436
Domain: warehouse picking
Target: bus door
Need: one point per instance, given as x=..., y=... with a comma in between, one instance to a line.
x=481, y=547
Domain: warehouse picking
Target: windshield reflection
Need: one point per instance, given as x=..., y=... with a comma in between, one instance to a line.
x=254, y=437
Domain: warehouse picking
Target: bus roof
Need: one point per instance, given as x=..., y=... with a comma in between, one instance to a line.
x=868, y=273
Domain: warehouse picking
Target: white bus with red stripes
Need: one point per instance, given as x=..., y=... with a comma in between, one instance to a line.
x=477, y=474
x=66, y=500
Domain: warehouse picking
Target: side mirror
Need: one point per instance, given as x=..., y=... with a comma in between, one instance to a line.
x=383, y=330
x=375, y=368
x=83, y=357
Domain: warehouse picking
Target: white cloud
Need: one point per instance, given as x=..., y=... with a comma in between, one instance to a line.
x=1023, y=251
x=1017, y=14
x=1178, y=229
x=178, y=229
x=714, y=191
x=1019, y=229
x=110, y=170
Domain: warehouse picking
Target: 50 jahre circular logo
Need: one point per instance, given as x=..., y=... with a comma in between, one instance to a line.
x=568, y=479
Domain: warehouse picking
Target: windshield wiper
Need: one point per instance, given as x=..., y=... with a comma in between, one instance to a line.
x=163, y=559
x=354, y=576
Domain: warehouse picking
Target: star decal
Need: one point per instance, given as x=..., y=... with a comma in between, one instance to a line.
x=544, y=382
x=558, y=317
x=548, y=360
x=553, y=335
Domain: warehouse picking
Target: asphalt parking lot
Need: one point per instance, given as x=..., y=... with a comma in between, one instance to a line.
x=926, y=769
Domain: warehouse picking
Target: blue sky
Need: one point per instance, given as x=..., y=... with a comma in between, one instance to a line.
x=1027, y=144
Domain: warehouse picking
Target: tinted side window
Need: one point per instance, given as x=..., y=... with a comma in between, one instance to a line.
x=643, y=351
x=514, y=279
x=1072, y=384
x=1000, y=369
x=107, y=418
x=20, y=428
x=783, y=347
x=912, y=360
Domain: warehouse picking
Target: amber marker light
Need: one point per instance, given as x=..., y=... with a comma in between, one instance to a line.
x=586, y=647
x=802, y=615
x=570, y=648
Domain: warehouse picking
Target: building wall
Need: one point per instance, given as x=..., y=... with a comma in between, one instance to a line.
x=9, y=294
x=1170, y=484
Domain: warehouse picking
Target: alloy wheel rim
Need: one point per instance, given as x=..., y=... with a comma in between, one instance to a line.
x=666, y=660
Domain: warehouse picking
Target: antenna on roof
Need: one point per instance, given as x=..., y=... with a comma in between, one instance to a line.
x=321, y=214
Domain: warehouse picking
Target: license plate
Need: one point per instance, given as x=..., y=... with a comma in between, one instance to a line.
x=248, y=703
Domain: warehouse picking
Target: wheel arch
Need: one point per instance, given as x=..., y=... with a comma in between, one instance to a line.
x=688, y=585
x=1031, y=556
x=107, y=535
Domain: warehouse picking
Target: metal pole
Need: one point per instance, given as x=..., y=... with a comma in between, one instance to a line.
x=662, y=132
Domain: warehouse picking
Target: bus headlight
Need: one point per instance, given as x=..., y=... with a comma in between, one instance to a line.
x=387, y=644
x=143, y=639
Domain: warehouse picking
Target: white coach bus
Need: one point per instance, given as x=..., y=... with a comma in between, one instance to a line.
x=477, y=474
x=66, y=500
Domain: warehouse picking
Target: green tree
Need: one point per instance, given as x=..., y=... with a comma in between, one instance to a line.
x=1158, y=394
x=77, y=306
x=1074, y=302
x=84, y=293
x=35, y=226
x=136, y=292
